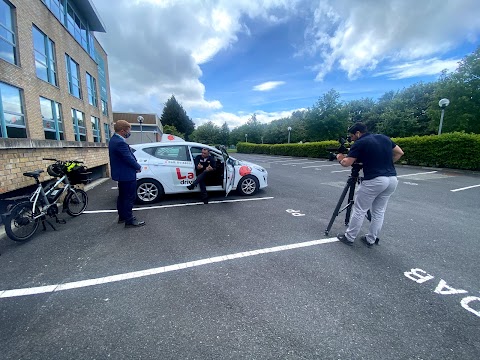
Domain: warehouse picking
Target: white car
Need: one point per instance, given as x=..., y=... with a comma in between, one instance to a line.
x=167, y=168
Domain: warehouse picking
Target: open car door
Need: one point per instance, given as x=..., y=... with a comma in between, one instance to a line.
x=228, y=172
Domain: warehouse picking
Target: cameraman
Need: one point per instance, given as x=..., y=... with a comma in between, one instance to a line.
x=377, y=153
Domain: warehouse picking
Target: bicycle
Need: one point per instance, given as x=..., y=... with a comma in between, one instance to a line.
x=23, y=220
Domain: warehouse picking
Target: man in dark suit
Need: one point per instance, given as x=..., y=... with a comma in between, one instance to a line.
x=124, y=168
x=204, y=165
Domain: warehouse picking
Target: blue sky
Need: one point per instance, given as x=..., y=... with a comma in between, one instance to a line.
x=227, y=59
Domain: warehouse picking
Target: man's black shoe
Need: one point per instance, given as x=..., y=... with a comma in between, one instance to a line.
x=191, y=187
x=377, y=240
x=120, y=221
x=365, y=241
x=205, y=201
x=135, y=223
x=344, y=239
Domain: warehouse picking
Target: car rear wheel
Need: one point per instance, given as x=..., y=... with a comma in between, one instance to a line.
x=248, y=185
x=149, y=191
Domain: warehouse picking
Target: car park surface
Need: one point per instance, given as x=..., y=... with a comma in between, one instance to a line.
x=253, y=277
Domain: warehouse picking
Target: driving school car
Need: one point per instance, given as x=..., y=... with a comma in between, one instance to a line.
x=167, y=168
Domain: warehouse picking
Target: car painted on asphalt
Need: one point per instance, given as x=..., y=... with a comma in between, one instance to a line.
x=167, y=168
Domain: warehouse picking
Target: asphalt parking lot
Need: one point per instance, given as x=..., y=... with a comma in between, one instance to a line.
x=252, y=277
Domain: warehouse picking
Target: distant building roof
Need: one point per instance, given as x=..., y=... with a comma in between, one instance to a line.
x=132, y=118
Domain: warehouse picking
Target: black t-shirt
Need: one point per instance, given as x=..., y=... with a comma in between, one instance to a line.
x=199, y=159
x=375, y=152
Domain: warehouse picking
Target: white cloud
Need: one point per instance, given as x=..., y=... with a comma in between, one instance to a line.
x=235, y=120
x=419, y=68
x=155, y=47
x=267, y=86
x=356, y=36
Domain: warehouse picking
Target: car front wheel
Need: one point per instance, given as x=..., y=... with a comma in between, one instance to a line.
x=149, y=191
x=248, y=185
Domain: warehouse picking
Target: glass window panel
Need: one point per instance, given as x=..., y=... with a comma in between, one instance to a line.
x=16, y=132
x=11, y=99
x=38, y=40
x=14, y=119
x=49, y=125
x=7, y=52
x=46, y=109
x=5, y=15
x=7, y=35
x=58, y=111
x=41, y=70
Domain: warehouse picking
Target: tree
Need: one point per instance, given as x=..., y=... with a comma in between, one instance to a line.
x=327, y=119
x=225, y=134
x=462, y=88
x=170, y=129
x=174, y=114
x=208, y=133
x=254, y=130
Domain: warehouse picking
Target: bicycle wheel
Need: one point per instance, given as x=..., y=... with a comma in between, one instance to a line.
x=76, y=202
x=20, y=225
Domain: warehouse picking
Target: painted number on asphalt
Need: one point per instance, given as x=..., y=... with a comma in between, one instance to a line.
x=294, y=212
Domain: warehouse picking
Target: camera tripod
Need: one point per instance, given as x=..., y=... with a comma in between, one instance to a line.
x=352, y=181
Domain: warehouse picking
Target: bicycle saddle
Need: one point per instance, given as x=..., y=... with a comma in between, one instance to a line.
x=33, y=174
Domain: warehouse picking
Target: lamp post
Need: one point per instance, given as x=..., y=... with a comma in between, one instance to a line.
x=246, y=137
x=289, y=130
x=140, y=121
x=443, y=104
x=261, y=139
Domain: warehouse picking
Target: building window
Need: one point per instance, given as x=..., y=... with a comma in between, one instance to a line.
x=12, y=118
x=73, y=77
x=8, y=47
x=65, y=12
x=52, y=119
x=44, y=51
x=104, y=108
x=57, y=8
x=106, y=129
x=92, y=90
x=96, y=129
x=79, y=128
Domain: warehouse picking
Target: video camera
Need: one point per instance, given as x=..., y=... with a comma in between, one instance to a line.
x=342, y=149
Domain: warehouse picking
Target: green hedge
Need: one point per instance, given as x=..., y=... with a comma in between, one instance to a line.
x=451, y=150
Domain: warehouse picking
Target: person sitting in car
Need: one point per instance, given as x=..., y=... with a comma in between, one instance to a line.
x=204, y=165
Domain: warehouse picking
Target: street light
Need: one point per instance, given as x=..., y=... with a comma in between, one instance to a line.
x=289, y=130
x=443, y=104
x=140, y=121
x=246, y=137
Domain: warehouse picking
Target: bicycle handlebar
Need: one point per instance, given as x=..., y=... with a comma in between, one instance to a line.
x=75, y=161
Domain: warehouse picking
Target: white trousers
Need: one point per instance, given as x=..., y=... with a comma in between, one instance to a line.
x=372, y=194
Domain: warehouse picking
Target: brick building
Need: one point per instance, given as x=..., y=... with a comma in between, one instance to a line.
x=149, y=130
x=54, y=89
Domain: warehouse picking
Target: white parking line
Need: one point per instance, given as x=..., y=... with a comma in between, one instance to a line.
x=423, y=173
x=163, y=269
x=180, y=205
x=335, y=171
x=280, y=161
x=312, y=166
x=305, y=162
x=465, y=188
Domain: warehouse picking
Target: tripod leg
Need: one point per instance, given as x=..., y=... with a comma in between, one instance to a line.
x=337, y=208
x=350, y=202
